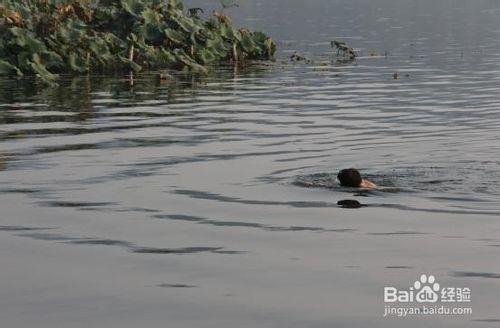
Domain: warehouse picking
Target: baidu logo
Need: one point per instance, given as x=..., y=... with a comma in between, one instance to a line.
x=426, y=297
x=426, y=290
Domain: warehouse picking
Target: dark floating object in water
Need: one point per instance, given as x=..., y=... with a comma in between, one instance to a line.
x=349, y=203
x=397, y=75
x=343, y=49
x=296, y=57
x=228, y=3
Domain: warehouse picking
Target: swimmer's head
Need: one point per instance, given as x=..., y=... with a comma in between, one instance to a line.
x=350, y=178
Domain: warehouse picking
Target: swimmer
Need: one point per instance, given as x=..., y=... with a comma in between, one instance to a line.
x=352, y=178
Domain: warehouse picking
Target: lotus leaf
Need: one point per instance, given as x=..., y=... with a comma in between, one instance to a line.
x=47, y=37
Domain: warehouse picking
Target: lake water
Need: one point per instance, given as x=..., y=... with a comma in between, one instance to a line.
x=213, y=203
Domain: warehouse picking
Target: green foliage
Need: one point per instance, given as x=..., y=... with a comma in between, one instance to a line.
x=51, y=37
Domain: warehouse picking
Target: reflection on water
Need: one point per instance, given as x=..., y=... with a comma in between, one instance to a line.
x=110, y=242
x=487, y=275
x=109, y=182
x=176, y=286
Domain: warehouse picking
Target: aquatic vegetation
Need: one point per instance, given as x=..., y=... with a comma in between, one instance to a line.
x=51, y=37
x=343, y=49
x=296, y=57
x=228, y=3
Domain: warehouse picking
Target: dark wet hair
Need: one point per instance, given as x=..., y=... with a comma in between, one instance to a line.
x=349, y=178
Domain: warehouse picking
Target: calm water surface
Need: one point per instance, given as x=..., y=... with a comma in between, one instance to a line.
x=212, y=202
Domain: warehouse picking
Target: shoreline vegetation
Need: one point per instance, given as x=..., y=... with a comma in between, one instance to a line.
x=46, y=38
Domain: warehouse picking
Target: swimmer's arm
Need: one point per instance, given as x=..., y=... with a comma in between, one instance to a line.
x=367, y=184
